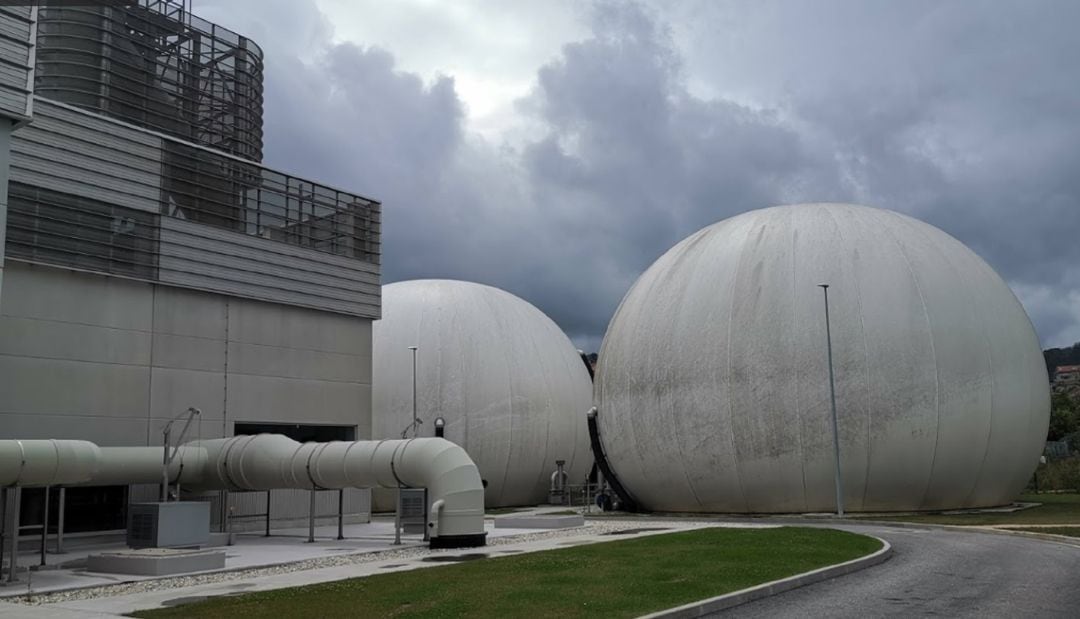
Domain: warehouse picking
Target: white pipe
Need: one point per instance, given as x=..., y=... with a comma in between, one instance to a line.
x=46, y=462
x=270, y=461
x=433, y=517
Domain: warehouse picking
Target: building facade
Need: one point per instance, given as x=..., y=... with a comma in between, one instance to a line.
x=152, y=263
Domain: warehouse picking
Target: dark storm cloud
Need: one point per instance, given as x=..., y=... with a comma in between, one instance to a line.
x=967, y=120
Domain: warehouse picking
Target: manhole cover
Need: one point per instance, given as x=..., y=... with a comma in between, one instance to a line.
x=455, y=558
x=636, y=531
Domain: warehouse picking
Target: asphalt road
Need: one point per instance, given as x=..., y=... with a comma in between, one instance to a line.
x=938, y=573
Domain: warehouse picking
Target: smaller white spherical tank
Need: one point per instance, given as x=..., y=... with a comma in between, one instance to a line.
x=512, y=388
x=713, y=380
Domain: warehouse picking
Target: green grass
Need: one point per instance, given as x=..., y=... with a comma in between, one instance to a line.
x=616, y=579
x=1055, y=509
x=1069, y=531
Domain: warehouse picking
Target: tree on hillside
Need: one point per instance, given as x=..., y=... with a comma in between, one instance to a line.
x=1064, y=417
x=1070, y=355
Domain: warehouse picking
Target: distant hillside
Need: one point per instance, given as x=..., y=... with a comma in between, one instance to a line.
x=1061, y=356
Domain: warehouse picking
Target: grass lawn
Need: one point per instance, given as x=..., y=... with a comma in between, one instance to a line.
x=1055, y=509
x=1070, y=531
x=616, y=579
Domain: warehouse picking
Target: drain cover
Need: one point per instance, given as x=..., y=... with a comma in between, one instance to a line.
x=636, y=531
x=455, y=558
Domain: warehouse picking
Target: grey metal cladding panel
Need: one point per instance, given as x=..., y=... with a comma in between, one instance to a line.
x=292, y=272
x=50, y=174
x=202, y=257
x=225, y=277
x=94, y=164
x=261, y=293
x=12, y=101
x=94, y=129
x=14, y=27
x=14, y=52
x=21, y=12
x=14, y=77
x=253, y=247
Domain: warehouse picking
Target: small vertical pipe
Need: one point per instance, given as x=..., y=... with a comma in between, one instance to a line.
x=223, y=511
x=61, y=507
x=45, y=526
x=3, y=526
x=397, y=519
x=427, y=513
x=267, y=534
x=165, y=467
x=311, y=518
x=341, y=513
x=13, y=564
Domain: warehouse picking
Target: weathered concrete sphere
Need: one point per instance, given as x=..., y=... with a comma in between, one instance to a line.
x=713, y=381
x=512, y=388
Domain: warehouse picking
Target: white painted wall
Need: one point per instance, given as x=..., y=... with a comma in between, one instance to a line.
x=110, y=360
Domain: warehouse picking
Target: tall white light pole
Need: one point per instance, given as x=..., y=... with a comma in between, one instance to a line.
x=414, y=419
x=832, y=397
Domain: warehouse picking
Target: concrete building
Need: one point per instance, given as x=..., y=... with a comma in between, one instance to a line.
x=152, y=263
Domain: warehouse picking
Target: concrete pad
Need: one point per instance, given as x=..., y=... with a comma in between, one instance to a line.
x=156, y=561
x=540, y=521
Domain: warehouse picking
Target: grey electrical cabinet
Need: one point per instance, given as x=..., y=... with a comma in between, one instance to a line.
x=179, y=524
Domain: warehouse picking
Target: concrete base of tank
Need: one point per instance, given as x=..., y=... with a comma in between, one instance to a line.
x=156, y=561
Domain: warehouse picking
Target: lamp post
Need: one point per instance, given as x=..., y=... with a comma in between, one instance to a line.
x=414, y=420
x=832, y=397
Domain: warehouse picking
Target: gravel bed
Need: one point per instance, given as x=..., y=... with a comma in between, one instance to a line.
x=175, y=582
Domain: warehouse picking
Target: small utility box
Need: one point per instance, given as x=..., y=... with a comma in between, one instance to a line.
x=413, y=510
x=179, y=524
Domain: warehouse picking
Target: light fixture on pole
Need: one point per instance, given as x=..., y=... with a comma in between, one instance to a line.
x=832, y=397
x=415, y=422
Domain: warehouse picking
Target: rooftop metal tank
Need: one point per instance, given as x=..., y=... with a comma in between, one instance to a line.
x=154, y=64
x=713, y=386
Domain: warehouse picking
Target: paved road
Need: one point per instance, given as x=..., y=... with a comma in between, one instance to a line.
x=944, y=574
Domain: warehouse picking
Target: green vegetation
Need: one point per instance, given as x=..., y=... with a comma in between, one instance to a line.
x=617, y=579
x=1069, y=531
x=1064, y=417
x=1057, y=475
x=1055, y=509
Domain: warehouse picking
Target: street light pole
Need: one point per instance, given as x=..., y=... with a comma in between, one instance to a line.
x=414, y=422
x=832, y=397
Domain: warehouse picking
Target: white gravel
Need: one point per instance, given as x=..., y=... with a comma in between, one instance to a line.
x=142, y=586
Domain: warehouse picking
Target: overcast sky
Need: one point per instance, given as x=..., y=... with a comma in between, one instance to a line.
x=555, y=148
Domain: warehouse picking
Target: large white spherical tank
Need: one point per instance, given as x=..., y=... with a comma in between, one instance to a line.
x=512, y=388
x=713, y=378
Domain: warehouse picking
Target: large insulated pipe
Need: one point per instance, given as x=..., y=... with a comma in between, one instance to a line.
x=269, y=461
x=47, y=462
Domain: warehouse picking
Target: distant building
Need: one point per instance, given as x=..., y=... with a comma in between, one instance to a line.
x=1067, y=375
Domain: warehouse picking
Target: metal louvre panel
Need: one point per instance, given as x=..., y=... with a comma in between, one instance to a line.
x=95, y=194
x=16, y=33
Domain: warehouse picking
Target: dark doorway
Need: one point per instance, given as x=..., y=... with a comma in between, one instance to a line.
x=299, y=432
x=85, y=509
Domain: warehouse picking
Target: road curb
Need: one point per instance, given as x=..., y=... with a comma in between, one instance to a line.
x=764, y=590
